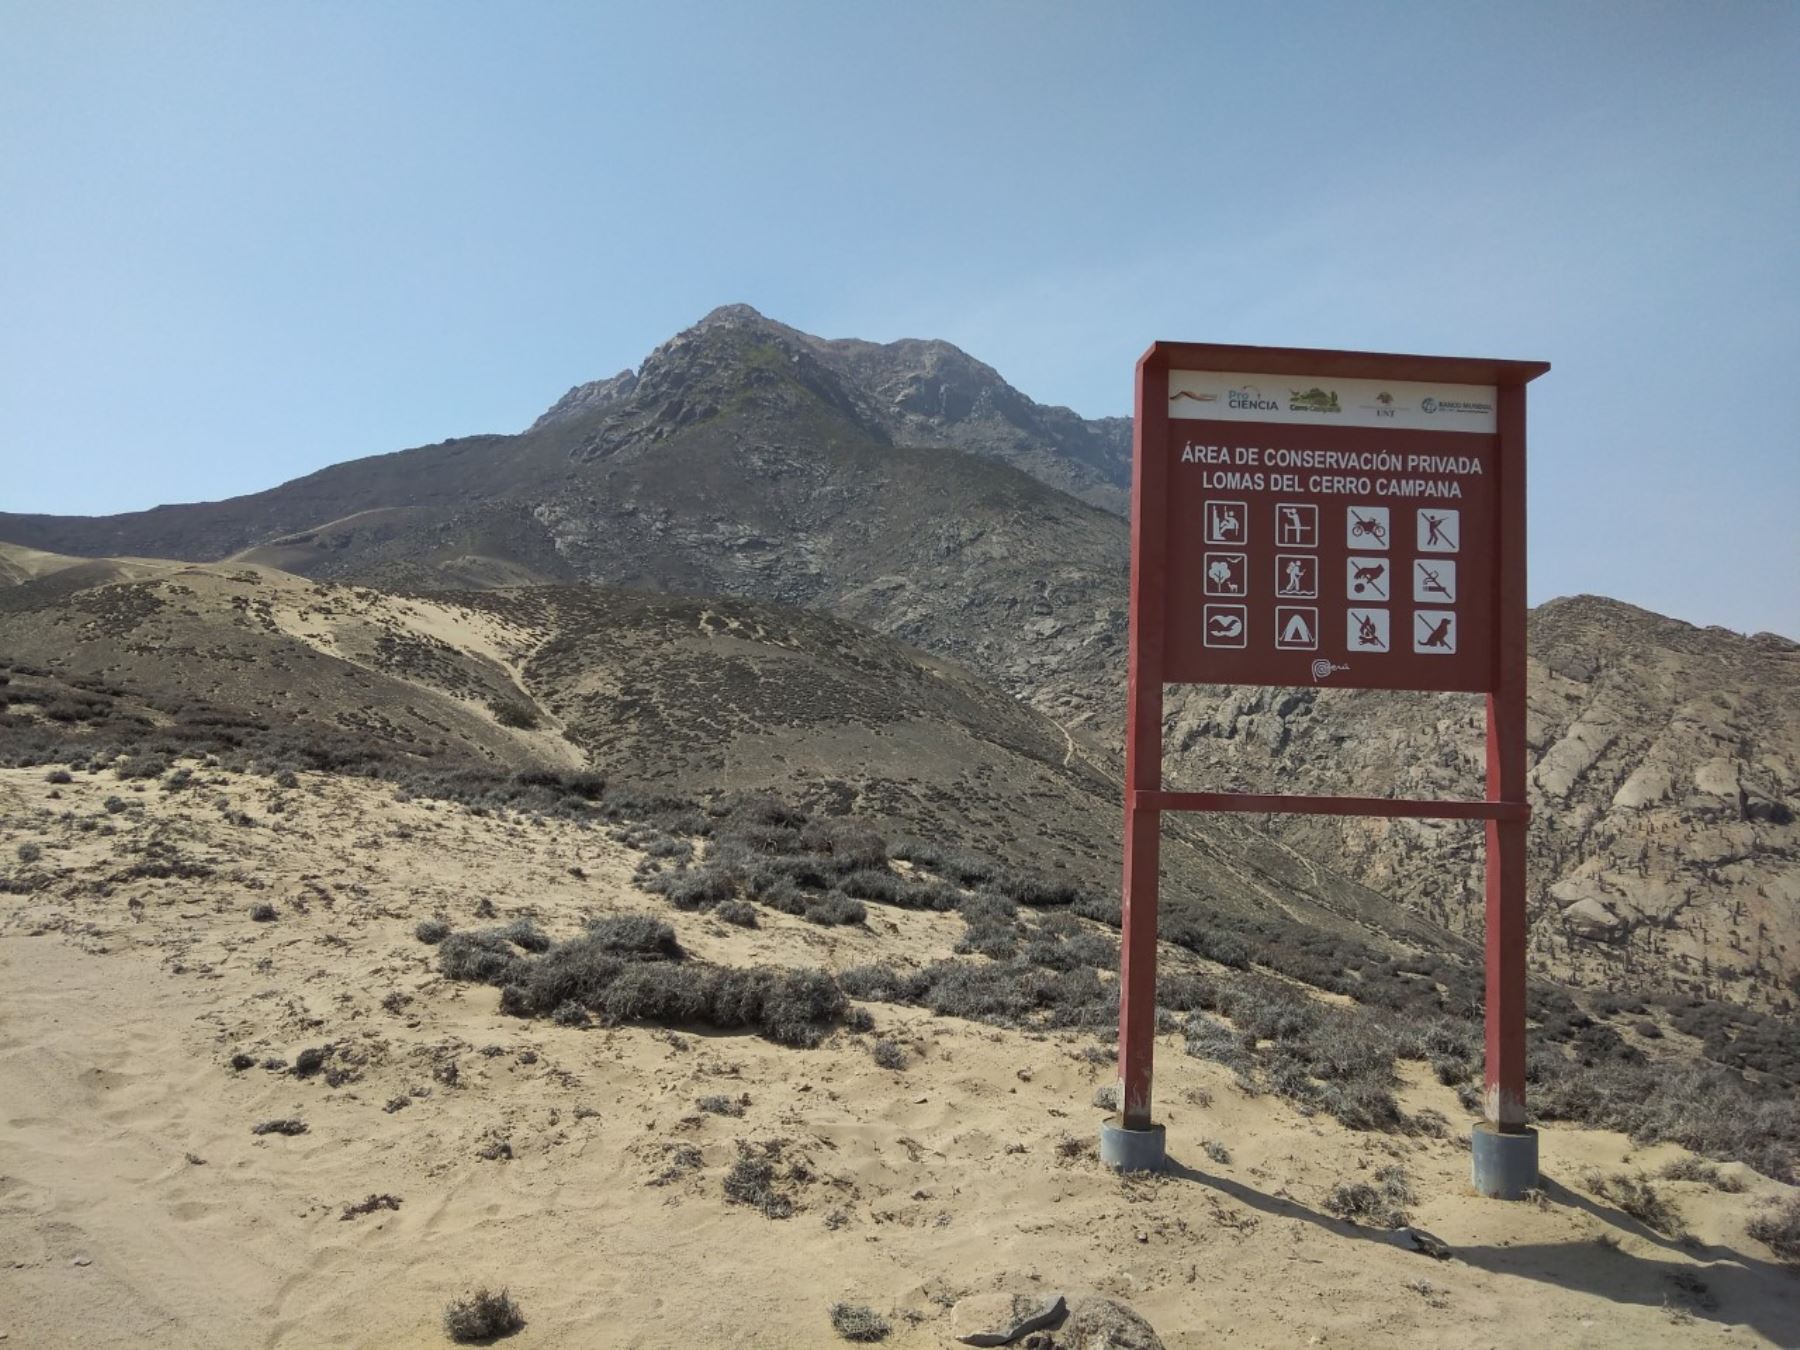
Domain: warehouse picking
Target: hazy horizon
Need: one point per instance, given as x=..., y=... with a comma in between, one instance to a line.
x=247, y=244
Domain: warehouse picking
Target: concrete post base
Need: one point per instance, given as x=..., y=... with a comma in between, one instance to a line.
x=1505, y=1165
x=1126, y=1150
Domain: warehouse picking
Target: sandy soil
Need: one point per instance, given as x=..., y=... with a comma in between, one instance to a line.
x=136, y=1206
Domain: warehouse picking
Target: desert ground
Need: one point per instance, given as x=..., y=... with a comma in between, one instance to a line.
x=575, y=1166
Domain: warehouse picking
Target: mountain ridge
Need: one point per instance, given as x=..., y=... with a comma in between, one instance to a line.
x=740, y=460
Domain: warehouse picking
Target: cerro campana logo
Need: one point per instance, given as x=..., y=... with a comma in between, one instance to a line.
x=1314, y=400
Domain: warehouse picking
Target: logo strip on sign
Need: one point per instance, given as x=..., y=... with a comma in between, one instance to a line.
x=1319, y=401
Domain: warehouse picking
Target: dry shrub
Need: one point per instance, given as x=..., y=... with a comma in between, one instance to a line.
x=1638, y=1198
x=482, y=1316
x=1779, y=1229
x=1382, y=1205
x=858, y=1322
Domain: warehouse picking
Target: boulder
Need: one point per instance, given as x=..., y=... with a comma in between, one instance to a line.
x=1591, y=919
x=1648, y=785
x=1097, y=1323
x=1717, y=778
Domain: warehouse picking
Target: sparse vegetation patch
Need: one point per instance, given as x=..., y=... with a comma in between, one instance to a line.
x=858, y=1322
x=1378, y=1205
x=1779, y=1229
x=1638, y=1198
x=370, y=1205
x=482, y=1316
x=625, y=970
x=765, y=1178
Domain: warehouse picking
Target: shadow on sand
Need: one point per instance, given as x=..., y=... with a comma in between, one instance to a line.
x=1747, y=1291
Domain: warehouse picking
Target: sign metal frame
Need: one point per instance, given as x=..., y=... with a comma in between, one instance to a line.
x=1504, y=808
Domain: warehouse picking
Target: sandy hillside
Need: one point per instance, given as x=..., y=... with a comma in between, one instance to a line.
x=138, y=1208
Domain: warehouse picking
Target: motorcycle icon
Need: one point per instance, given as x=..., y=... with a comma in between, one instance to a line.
x=1362, y=526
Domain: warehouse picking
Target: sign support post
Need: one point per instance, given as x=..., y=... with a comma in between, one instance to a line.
x=1343, y=519
x=1137, y=1145
x=1504, y=1147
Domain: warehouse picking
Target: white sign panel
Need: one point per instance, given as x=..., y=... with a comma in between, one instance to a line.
x=1195, y=394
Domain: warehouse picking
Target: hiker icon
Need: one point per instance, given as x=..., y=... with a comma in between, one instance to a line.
x=1434, y=631
x=1225, y=523
x=1367, y=578
x=1440, y=531
x=1296, y=576
x=1366, y=526
x=1366, y=630
x=1434, y=581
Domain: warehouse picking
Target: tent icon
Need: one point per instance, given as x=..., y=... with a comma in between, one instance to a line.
x=1297, y=628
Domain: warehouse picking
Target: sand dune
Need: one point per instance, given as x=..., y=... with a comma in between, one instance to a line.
x=136, y=1206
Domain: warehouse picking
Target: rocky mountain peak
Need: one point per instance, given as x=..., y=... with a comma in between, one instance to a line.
x=733, y=361
x=598, y=396
x=737, y=313
x=912, y=391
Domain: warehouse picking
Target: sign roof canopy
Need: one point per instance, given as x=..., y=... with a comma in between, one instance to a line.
x=1330, y=364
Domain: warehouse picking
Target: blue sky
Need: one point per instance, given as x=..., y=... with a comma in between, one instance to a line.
x=239, y=242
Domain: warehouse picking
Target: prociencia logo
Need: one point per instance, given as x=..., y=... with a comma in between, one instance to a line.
x=1251, y=398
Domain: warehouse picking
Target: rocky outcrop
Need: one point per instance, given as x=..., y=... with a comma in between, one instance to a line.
x=592, y=397
x=1664, y=783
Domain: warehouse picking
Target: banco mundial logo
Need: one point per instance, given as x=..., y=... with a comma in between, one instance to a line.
x=1429, y=405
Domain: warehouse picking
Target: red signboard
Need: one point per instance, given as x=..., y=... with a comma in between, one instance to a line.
x=1334, y=519
x=1338, y=556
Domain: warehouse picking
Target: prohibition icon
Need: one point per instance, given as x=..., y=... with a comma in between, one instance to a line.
x=1366, y=630
x=1434, y=631
x=1367, y=579
x=1366, y=526
x=1440, y=531
x=1434, y=581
